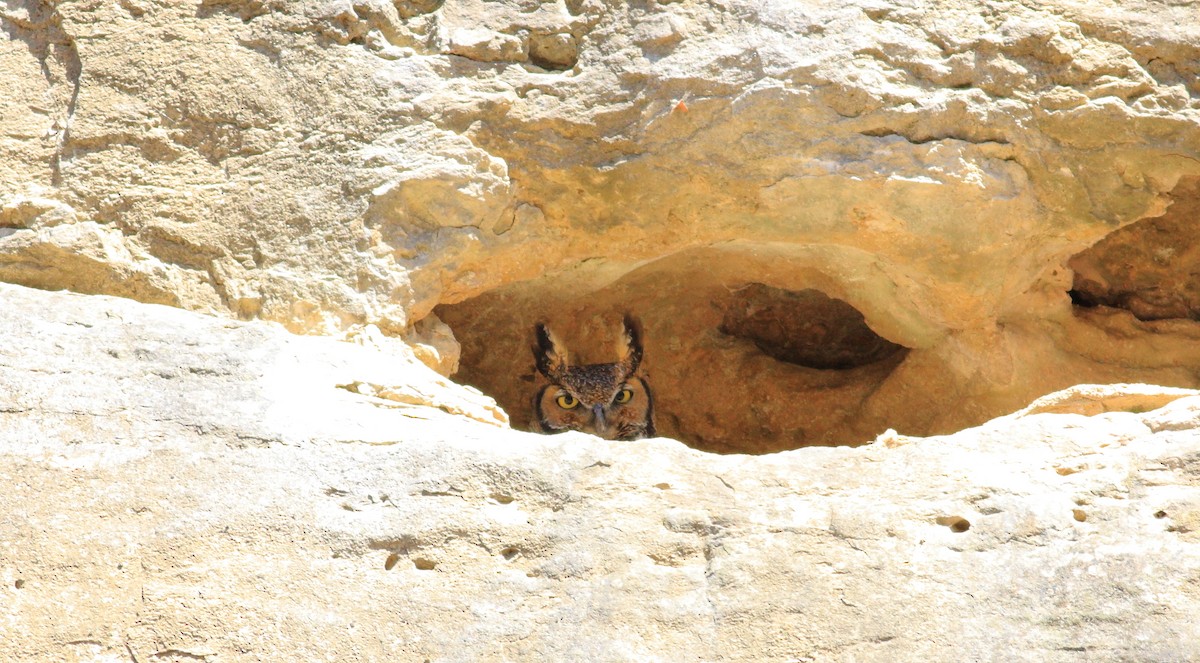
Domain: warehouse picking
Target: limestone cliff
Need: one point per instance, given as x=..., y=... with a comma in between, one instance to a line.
x=875, y=224
x=943, y=168
x=179, y=487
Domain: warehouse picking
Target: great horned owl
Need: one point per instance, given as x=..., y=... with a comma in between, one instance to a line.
x=606, y=400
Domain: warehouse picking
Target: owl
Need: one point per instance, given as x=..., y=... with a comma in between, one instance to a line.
x=607, y=400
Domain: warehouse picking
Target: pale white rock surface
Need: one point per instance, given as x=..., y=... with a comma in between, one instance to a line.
x=180, y=487
x=943, y=167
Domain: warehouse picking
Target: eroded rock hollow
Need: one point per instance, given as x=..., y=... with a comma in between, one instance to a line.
x=1150, y=268
x=957, y=175
x=735, y=365
x=833, y=219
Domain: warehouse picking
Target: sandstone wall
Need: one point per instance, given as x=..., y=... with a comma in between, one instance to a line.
x=331, y=164
x=179, y=487
x=832, y=219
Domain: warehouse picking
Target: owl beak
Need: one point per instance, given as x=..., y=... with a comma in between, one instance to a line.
x=598, y=420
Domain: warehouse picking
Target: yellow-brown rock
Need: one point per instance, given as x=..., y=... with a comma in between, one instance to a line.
x=333, y=164
x=838, y=223
x=181, y=487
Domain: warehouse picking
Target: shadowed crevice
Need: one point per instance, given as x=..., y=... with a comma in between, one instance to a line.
x=805, y=327
x=1150, y=268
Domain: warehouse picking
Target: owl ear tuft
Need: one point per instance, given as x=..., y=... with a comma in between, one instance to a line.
x=629, y=345
x=549, y=355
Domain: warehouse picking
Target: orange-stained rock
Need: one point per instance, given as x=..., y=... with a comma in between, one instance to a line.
x=336, y=165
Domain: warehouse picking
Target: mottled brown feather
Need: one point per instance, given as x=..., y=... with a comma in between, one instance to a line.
x=593, y=390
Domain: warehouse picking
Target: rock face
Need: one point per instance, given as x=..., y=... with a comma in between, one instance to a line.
x=945, y=169
x=181, y=487
x=833, y=219
x=1148, y=267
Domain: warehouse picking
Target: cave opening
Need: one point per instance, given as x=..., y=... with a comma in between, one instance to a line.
x=738, y=359
x=805, y=327
x=1150, y=268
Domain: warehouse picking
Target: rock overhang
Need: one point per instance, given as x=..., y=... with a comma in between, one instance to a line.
x=935, y=168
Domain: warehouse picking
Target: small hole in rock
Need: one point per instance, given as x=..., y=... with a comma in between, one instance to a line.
x=502, y=499
x=957, y=524
x=423, y=564
x=510, y=553
x=553, y=51
x=19, y=583
x=390, y=562
x=662, y=486
x=1160, y=514
x=1082, y=299
x=1079, y=515
x=806, y=328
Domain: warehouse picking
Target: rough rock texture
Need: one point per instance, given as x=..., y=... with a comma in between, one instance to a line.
x=329, y=164
x=833, y=219
x=180, y=487
x=1152, y=267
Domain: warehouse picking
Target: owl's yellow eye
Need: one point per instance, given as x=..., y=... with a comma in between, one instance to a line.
x=623, y=397
x=567, y=401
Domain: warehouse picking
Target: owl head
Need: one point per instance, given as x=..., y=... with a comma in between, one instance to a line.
x=606, y=400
